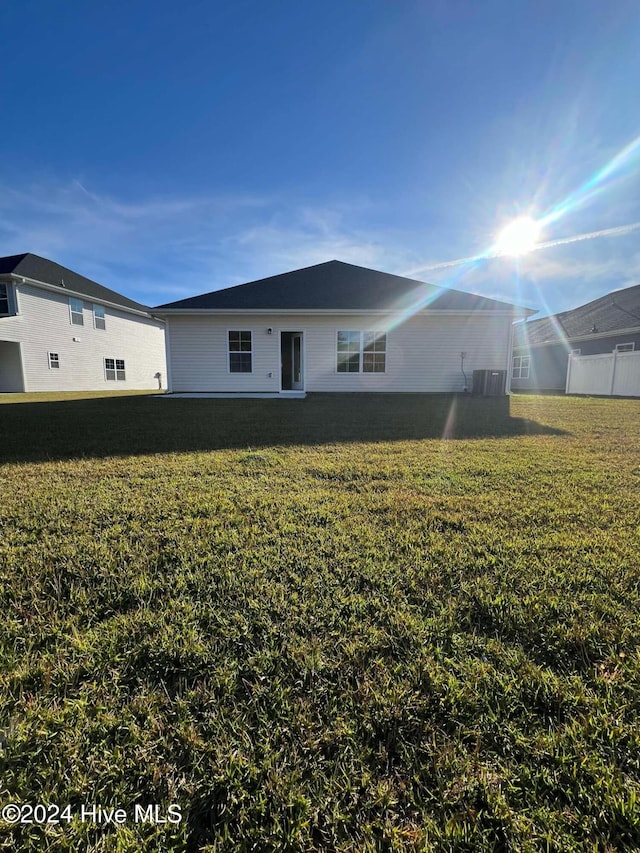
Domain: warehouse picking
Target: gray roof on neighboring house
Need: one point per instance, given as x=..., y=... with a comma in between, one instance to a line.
x=611, y=313
x=48, y=272
x=336, y=286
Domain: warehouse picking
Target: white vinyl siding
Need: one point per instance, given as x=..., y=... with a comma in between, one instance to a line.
x=43, y=326
x=422, y=354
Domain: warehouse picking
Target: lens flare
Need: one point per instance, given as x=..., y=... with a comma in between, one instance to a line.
x=522, y=235
x=518, y=237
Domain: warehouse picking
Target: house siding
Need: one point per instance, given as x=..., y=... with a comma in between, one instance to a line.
x=43, y=325
x=10, y=367
x=548, y=367
x=423, y=352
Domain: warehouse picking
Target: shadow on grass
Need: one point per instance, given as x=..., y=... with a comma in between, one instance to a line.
x=136, y=425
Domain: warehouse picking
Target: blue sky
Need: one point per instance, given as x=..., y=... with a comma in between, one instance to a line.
x=168, y=149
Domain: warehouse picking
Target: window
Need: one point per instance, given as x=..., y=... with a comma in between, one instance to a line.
x=240, y=352
x=362, y=352
x=98, y=317
x=76, y=306
x=54, y=360
x=348, y=352
x=4, y=299
x=520, y=367
x=374, y=357
x=114, y=369
x=576, y=351
x=625, y=347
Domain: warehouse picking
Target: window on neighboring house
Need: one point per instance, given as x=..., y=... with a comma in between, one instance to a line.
x=8, y=300
x=114, y=369
x=576, y=352
x=4, y=299
x=520, y=367
x=361, y=352
x=76, y=309
x=240, y=352
x=98, y=317
x=630, y=347
x=54, y=360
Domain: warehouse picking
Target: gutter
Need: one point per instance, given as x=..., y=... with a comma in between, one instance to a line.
x=269, y=312
x=587, y=336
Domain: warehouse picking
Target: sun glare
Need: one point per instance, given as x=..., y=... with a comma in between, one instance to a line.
x=518, y=237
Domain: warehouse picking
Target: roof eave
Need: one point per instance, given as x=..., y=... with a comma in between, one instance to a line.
x=327, y=312
x=586, y=336
x=23, y=279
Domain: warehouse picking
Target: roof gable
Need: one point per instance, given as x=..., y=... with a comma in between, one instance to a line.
x=45, y=271
x=336, y=286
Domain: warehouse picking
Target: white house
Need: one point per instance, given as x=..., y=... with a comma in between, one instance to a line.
x=60, y=331
x=335, y=327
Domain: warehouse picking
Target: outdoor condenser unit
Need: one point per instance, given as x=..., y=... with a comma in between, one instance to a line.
x=489, y=383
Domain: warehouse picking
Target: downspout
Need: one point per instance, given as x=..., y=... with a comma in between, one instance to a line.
x=507, y=389
x=463, y=355
x=167, y=348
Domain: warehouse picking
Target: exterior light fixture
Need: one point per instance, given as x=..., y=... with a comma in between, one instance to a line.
x=269, y=331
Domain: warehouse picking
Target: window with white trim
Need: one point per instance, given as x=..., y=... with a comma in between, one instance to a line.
x=114, y=369
x=374, y=352
x=54, y=361
x=76, y=309
x=361, y=352
x=5, y=301
x=577, y=351
x=630, y=347
x=520, y=368
x=240, y=351
x=99, y=321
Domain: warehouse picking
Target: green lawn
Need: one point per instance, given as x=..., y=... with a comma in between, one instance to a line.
x=317, y=625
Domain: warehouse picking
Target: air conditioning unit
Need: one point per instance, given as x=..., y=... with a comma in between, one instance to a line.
x=489, y=383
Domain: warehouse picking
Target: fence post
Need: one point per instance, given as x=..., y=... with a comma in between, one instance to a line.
x=568, y=382
x=613, y=371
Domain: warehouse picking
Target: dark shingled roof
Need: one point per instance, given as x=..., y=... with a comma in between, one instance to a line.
x=611, y=313
x=48, y=272
x=336, y=286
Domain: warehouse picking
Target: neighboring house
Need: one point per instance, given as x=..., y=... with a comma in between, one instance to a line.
x=60, y=331
x=335, y=327
x=541, y=347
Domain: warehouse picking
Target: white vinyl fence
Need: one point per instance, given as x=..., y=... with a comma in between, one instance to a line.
x=612, y=373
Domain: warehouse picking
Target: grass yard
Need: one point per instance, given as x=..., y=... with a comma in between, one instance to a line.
x=317, y=626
